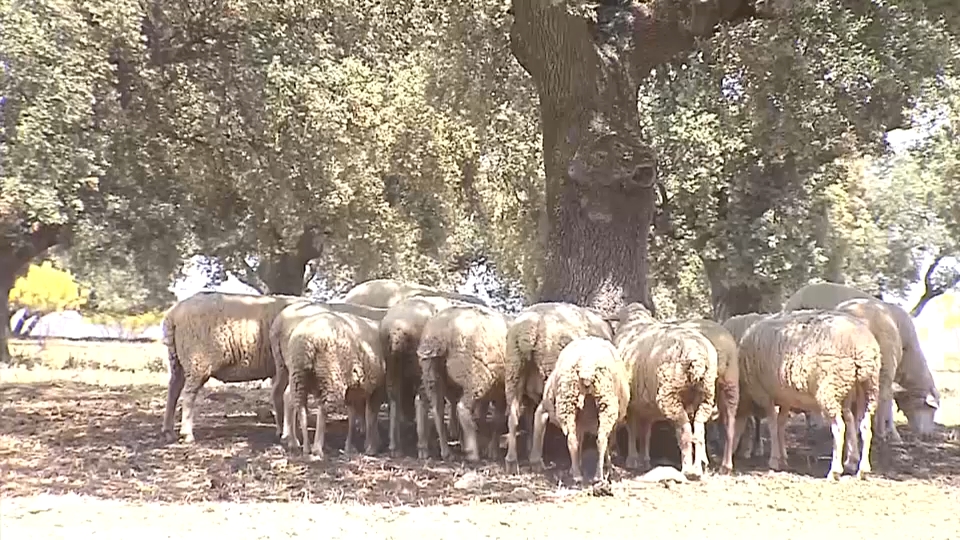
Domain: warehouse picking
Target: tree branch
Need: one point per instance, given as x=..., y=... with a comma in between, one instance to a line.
x=251, y=278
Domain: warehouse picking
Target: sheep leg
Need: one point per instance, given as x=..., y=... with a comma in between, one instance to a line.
x=838, y=428
x=851, y=442
x=513, y=420
x=288, y=427
x=453, y=426
x=729, y=421
x=423, y=441
x=646, y=427
x=188, y=404
x=301, y=420
x=540, y=418
x=494, y=427
x=866, y=433
x=573, y=446
x=776, y=461
x=437, y=398
x=372, y=408
x=757, y=446
x=394, y=429
x=633, y=429
x=353, y=419
x=604, y=430
x=681, y=423
x=469, y=427
x=279, y=386
x=319, y=433
x=177, y=380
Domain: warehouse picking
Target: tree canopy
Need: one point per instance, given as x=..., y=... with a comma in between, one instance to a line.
x=418, y=140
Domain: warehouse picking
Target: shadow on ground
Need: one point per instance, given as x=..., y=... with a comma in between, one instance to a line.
x=104, y=441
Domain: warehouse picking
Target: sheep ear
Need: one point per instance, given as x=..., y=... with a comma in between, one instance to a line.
x=932, y=401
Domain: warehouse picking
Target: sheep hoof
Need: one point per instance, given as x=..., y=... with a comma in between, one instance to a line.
x=396, y=453
x=864, y=474
x=511, y=466
x=537, y=465
x=726, y=469
x=423, y=453
x=188, y=438
x=577, y=478
x=168, y=437
x=693, y=473
x=834, y=475
x=636, y=463
x=312, y=458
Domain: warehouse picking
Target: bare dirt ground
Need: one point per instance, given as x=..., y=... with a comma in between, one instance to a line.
x=81, y=456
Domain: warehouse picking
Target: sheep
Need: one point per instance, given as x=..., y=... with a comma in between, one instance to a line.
x=884, y=327
x=673, y=375
x=534, y=341
x=917, y=395
x=219, y=335
x=336, y=356
x=384, y=293
x=462, y=349
x=587, y=392
x=813, y=360
x=400, y=332
x=737, y=325
x=728, y=380
x=279, y=335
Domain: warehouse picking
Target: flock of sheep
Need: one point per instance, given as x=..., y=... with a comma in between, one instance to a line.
x=834, y=353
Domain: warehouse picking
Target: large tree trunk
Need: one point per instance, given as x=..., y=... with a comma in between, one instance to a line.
x=762, y=296
x=601, y=175
x=6, y=284
x=286, y=273
x=14, y=260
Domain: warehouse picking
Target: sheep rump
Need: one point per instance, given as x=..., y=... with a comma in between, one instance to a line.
x=219, y=335
x=823, y=361
x=280, y=330
x=461, y=355
x=587, y=393
x=385, y=293
x=336, y=357
x=673, y=375
x=534, y=341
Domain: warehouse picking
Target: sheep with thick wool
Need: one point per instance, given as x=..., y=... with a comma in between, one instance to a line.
x=534, y=341
x=881, y=322
x=280, y=330
x=728, y=380
x=400, y=333
x=587, y=393
x=812, y=360
x=917, y=395
x=673, y=376
x=385, y=293
x=336, y=357
x=737, y=325
x=219, y=335
x=461, y=355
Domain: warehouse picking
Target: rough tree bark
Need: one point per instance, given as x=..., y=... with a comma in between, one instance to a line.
x=600, y=174
x=736, y=299
x=14, y=258
x=285, y=273
x=931, y=289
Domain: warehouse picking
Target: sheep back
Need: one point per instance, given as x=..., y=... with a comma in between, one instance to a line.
x=728, y=368
x=536, y=337
x=385, y=293
x=223, y=335
x=880, y=320
x=737, y=325
x=467, y=345
x=808, y=360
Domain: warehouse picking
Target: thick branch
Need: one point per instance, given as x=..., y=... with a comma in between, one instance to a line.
x=931, y=289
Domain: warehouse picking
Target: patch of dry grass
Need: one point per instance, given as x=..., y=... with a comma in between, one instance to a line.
x=78, y=447
x=114, y=355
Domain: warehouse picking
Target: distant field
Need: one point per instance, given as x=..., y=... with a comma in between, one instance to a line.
x=81, y=457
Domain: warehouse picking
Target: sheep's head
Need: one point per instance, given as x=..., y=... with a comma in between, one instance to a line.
x=919, y=408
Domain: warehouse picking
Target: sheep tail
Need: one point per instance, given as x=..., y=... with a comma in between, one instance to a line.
x=169, y=330
x=587, y=371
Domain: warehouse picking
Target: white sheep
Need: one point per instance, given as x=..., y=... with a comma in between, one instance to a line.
x=813, y=360
x=280, y=330
x=879, y=318
x=673, y=376
x=728, y=380
x=587, y=393
x=400, y=332
x=534, y=341
x=219, y=335
x=336, y=357
x=737, y=325
x=917, y=395
x=461, y=355
x=385, y=293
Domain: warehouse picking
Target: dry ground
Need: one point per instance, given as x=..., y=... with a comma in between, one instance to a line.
x=81, y=456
